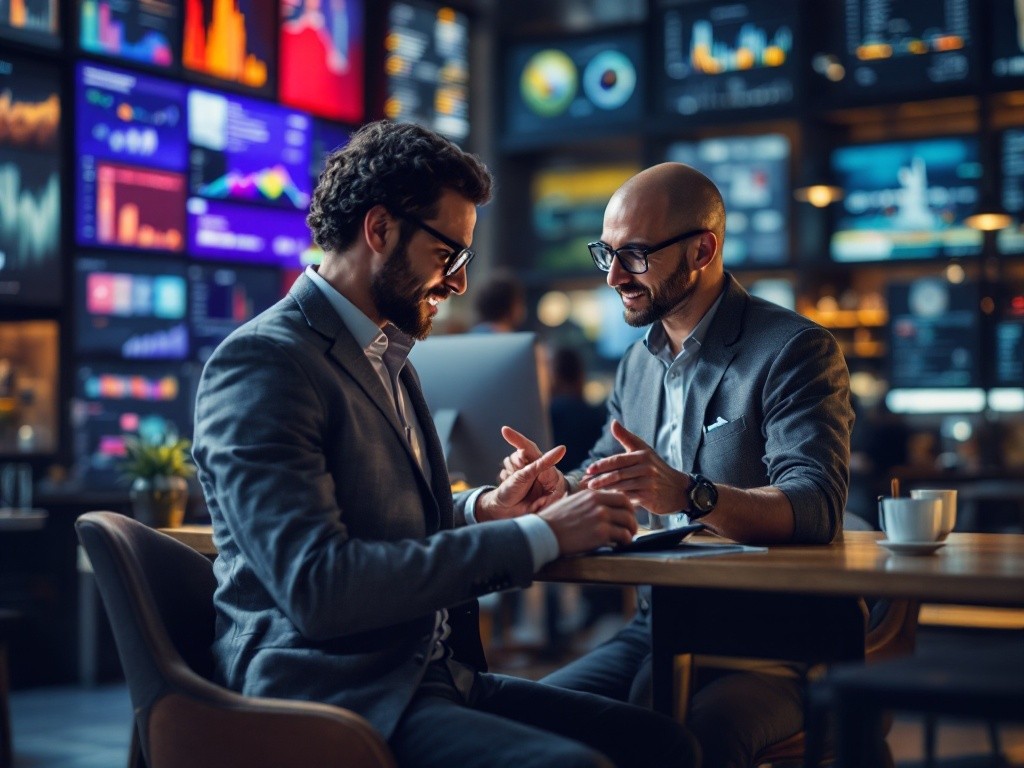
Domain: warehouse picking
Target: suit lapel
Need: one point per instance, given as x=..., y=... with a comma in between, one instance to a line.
x=348, y=355
x=441, y=486
x=648, y=409
x=717, y=351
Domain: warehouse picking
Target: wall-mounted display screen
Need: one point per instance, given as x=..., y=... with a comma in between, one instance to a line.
x=244, y=150
x=568, y=213
x=223, y=298
x=563, y=86
x=129, y=117
x=126, y=206
x=119, y=400
x=1007, y=38
x=29, y=376
x=1008, y=350
x=906, y=200
x=934, y=334
x=231, y=41
x=906, y=46
x=752, y=173
x=327, y=137
x=143, y=31
x=322, y=59
x=1011, y=240
x=131, y=308
x=30, y=182
x=246, y=233
x=718, y=57
x=427, y=66
x=31, y=21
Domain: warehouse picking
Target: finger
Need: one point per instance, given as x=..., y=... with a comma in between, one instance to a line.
x=520, y=441
x=627, y=439
x=529, y=473
x=617, y=461
x=618, y=476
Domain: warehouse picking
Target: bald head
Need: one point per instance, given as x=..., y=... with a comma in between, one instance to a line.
x=681, y=195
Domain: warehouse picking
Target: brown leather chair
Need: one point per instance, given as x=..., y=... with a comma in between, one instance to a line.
x=158, y=595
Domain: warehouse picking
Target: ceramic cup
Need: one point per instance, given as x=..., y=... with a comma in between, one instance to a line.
x=905, y=519
x=948, y=498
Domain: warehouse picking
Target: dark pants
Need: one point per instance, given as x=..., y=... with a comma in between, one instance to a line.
x=523, y=724
x=734, y=715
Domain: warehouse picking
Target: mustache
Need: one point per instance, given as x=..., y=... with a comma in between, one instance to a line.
x=631, y=288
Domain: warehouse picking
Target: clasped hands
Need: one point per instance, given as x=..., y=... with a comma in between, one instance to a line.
x=602, y=512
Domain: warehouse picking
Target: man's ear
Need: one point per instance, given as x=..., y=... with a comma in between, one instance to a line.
x=706, y=249
x=378, y=228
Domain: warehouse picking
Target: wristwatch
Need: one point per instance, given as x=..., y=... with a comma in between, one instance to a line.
x=703, y=497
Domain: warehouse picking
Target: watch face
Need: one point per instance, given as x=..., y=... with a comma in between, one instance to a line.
x=704, y=495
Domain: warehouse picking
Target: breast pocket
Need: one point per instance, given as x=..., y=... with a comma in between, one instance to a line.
x=725, y=431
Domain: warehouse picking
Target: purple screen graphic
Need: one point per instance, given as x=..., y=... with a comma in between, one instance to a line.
x=248, y=151
x=246, y=233
x=129, y=117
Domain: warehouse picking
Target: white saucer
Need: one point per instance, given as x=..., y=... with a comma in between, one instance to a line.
x=911, y=547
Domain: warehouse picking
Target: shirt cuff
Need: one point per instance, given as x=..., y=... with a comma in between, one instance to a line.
x=470, y=509
x=542, y=540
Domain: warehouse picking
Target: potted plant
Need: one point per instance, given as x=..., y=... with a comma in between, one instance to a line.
x=158, y=469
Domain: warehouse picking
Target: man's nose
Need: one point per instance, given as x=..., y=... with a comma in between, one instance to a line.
x=458, y=282
x=617, y=275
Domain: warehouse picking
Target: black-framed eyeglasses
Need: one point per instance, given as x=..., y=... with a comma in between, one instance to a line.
x=460, y=255
x=633, y=258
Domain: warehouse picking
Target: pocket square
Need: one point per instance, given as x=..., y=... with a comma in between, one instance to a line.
x=719, y=422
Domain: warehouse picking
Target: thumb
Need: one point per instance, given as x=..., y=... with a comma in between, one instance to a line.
x=520, y=441
x=529, y=473
x=627, y=439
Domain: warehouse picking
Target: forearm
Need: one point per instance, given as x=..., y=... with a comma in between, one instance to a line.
x=752, y=516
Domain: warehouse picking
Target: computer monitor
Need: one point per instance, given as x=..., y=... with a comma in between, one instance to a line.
x=474, y=385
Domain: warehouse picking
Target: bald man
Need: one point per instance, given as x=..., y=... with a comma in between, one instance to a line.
x=732, y=411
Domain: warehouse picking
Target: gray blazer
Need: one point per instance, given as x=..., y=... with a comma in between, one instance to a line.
x=781, y=383
x=335, y=549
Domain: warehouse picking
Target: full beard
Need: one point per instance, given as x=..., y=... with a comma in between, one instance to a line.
x=674, y=292
x=398, y=295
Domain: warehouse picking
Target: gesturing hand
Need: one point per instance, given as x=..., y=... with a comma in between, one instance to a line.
x=641, y=474
x=521, y=491
x=591, y=519
x=550, y=483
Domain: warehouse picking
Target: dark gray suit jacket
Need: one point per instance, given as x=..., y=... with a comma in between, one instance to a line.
x=781, y=383
x=335, y=549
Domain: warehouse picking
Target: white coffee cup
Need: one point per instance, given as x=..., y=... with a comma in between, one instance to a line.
x=948, y=498
x=904, y=519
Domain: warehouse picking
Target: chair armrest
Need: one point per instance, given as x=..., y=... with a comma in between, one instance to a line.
x=260, y=733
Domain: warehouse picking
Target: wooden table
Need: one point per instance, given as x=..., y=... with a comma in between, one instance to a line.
x=790, y=603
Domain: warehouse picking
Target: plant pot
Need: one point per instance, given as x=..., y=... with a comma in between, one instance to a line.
x=159, y=502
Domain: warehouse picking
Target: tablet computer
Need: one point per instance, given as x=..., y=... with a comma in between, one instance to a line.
x=659, y=540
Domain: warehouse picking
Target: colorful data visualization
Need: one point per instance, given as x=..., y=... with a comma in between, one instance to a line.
x=144, y=31
x=30, y=182
x=31, y=21
x=232, y=41
x=322, y=57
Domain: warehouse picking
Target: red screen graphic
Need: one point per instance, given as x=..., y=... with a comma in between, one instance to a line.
x=322, y=57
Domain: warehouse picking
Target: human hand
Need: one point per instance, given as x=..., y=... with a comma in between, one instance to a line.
x=591, y=519
x=550, y=482
x=521, y=491
x=641, y=474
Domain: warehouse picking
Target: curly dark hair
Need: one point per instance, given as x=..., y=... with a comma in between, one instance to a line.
x=403, y=167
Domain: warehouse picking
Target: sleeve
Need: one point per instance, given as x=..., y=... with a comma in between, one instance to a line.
x=808, y=418
x=261, y=427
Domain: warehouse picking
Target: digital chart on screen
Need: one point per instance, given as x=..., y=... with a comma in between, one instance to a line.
x=32, y=21
x=244, y=150
x=143, y=31
x=728, y=56
x=231, y=40
x=322, y=59
x=30, y=182
x=427, y=67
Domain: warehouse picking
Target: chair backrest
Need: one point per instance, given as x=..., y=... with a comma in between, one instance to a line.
x=158, y=594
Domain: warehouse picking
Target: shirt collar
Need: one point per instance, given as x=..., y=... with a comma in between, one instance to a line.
x=368, y=335
x=656, y=340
